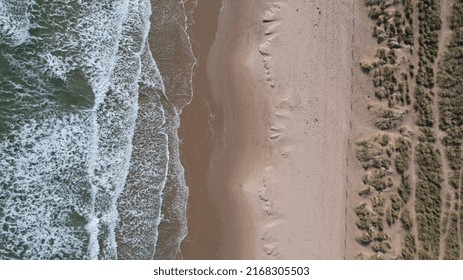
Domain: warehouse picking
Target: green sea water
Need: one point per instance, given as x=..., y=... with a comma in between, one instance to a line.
x=70, y=75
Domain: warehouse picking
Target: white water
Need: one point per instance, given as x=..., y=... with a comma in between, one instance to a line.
x=65, y=167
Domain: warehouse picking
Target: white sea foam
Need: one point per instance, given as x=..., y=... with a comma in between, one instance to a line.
x=43, y=195
x=141, y=202
x=14, y=22
x=64, y=170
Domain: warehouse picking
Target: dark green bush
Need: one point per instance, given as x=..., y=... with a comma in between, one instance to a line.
x=409, y=249
x=364, y=239
x=405, y=189
x=452, y=244
x=456, y=15
x=423, y=108
x=406, y=220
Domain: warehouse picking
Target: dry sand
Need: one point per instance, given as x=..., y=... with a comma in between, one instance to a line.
x=274, y=177
x=361, y=119
x=308, y=59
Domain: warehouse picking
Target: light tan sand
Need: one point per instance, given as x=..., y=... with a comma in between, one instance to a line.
x=280, y=77
x=285, y=92
x=306, y=67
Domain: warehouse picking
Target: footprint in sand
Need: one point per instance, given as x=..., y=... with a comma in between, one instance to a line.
x=266, y=194
x=272, y=13
x=270, y=20
x=270, y=243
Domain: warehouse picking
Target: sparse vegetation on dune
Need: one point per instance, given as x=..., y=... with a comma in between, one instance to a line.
x=452, y=244
x=428, y=200
x=409, y=247
x=387, y=156
x=428, y=189
x=395, y=27
x=456, y=17
x=377, y=156
x=450, y=82
x=405, y=188
x=402, y=160
x=393, y=30
x=406, y=220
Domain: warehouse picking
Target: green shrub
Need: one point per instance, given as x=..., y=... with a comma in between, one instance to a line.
x=455, y=179
x=401, y=162
x=423, y=108
x=378, y=204
x=380, y=247
x=377, y=222
x=362, y=212
x=406, y=220
x=365, y=192
x=428, y=202
x=456, y=16
x=380, y=236
x=452, y=244
x=405, y=189
x=427, y=135
x=446, y=81
x=402, y=145
x=364, y=239
x=391, y=217
x=396, y=203
x=454, y=156
x=388, y=119
x=384, y=140
x=409, y=248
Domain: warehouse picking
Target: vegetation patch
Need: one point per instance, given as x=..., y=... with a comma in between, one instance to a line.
x=452, y=244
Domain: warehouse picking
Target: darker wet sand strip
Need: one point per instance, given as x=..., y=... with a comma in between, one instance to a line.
x=196, y=133
x=220, y=130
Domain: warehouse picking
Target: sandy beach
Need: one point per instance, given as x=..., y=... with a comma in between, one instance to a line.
x=231, y=130
x=273, y=166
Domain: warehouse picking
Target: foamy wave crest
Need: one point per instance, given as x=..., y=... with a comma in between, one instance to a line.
x=116, y=121
x=14, y=21
x=141, y=201
x=45, y=196
x=74, y=89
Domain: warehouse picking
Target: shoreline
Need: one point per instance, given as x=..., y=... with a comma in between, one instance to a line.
x=175, y=67
x=239, y=152
x=212, y=143
x=260, y=170
x=196, y=134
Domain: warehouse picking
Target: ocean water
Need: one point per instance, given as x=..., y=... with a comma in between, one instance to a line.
x=89, y=164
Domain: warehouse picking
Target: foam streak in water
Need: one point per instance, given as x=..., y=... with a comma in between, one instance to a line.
x=68, y=114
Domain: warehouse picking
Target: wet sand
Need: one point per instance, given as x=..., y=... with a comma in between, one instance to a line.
x=198, y=121
x=216, y=137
